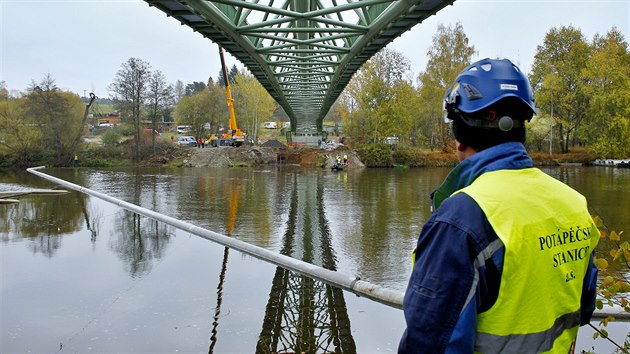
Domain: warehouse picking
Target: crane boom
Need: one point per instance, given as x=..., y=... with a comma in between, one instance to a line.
x=234, y=133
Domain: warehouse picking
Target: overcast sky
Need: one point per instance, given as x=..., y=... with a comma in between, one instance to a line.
x=82, y=43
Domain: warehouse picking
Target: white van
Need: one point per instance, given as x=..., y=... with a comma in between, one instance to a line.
x=183, y=129
x=270, y=125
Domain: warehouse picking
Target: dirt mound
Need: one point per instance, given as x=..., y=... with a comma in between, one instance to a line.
x=255, y=156
x=274, y=143
x=226, y=156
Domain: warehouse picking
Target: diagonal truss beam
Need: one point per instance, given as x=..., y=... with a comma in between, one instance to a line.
x=303, y=52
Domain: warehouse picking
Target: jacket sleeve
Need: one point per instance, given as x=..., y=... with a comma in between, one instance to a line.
x=589, y=292
x=449, y=283
x=440, y=284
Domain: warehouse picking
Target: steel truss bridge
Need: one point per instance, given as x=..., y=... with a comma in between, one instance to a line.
x=303, y=52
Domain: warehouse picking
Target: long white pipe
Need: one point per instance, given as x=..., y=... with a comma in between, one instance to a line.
x=355, y=285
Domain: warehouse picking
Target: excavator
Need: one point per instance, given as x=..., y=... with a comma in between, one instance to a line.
x=234, y=136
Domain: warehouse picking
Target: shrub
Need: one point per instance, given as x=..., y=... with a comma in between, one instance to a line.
x=376, y=155
x=111, y=137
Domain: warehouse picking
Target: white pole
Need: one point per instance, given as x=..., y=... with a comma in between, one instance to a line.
x=353, y=284
x=359, y=287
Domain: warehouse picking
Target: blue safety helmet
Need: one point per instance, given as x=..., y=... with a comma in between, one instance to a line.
x=480, y=85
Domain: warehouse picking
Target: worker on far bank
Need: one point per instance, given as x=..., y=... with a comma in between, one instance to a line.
x=338, y=159
x=505, y=262
x=345, y=159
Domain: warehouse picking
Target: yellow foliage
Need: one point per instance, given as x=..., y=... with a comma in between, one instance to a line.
x=598, y=222
x=614, y=236
x=601, y=263
x=608, y=281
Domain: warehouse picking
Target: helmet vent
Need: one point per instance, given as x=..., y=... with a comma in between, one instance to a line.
x=486, y=67
x=471, y=92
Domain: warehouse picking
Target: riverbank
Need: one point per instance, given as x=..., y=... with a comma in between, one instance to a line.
x=314, y=157
x=378, y=156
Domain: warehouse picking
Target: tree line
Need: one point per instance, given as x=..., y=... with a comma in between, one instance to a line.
x=45, y=124
x=582, y=90
x=581, y=87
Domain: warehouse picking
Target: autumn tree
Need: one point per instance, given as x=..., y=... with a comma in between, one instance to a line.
x=219, y=114
x=607, y=127
x=448, y=55
x=18, y=137
x=252, y=103
x=559, y=86
x=379, y=91
x=205, y=107
x=130, y=89
x=58, y=116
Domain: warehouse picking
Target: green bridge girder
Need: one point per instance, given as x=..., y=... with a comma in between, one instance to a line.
x=303, y=52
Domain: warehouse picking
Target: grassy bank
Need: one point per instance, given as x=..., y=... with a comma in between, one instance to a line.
x=387, y=156
x=168, y=154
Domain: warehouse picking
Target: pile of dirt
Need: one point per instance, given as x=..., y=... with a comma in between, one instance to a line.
x=226, y=156
x=274, y=143
x=259, y=155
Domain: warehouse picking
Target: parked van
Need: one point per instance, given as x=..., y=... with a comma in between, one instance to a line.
x=270, y=125
x=187, y=141
x=183, y=129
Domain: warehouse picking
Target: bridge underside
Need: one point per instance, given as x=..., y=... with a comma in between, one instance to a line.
x=304, y=52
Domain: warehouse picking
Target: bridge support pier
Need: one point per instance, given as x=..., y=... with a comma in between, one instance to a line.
x=299, y=139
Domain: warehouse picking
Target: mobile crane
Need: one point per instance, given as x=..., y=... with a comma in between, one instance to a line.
x=234, y=136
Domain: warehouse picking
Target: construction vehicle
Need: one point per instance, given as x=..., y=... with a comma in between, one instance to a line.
x=233, y=136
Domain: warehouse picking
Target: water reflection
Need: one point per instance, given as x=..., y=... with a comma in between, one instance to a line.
x=304, y=315
x=139, y=241
x=43, y=220
x=206, y=297
x=235, y=193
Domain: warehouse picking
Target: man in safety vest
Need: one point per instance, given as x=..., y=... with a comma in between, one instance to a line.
x=505, y=262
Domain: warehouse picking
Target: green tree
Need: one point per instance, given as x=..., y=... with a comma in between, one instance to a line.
x=18, y=138
x=57, y=114
x=607, y=129
x=194, y=87
x=558, y=83
x=377, y=92
x=201, y=108
x=219, y=115
x=130, y=88
x=252, y=103
x=448, y=55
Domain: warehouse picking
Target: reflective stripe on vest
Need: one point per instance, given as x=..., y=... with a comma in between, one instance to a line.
x=548, y=236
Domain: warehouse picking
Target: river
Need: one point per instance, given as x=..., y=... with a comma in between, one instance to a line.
x=82, y=275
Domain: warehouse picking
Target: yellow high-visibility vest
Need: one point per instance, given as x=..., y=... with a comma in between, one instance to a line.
x=548, y=236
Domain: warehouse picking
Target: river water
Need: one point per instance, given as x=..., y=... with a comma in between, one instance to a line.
x=81, y=275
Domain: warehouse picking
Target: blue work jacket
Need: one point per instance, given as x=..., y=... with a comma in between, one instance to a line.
x=439, y=318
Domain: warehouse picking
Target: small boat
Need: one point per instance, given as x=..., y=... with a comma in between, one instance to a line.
x=338, y=167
